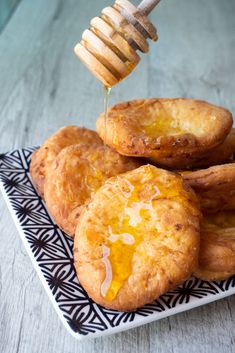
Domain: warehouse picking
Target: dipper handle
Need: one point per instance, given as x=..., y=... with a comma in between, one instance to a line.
x=146, y=6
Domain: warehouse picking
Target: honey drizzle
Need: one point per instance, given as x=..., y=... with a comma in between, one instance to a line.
x=107, y=91
x=127, y=232
x=123, y=240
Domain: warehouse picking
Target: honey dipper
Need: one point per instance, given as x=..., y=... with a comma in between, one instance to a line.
x=109, y=47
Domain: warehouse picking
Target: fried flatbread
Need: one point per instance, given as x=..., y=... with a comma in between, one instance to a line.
x=218, y=155
x=75, y=175
x=217, y=248
x=43, y=157
x=138, y=238
x=164, y=129
x=214, y=186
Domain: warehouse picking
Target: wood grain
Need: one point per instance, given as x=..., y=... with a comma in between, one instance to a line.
x=43, y=87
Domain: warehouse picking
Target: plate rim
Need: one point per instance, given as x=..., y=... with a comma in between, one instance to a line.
x=111, y=330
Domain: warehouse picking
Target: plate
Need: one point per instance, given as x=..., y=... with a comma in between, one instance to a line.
x=51, y=252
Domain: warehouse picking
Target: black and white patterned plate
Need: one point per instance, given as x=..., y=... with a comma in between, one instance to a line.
x=51, y=253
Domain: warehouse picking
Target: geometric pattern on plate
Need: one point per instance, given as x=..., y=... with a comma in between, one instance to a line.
x=51, y=252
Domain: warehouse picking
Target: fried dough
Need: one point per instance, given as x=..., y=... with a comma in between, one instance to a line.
x=217, y=248
x=138, y=238
x=220, y=154
x=162, y=129
x=214, y=186
x=75, y=175
x=45, y=155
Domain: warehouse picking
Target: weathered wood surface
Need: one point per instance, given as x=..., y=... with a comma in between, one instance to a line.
x=42, y=87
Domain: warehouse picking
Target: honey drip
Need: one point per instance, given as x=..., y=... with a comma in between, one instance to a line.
x=107, y=91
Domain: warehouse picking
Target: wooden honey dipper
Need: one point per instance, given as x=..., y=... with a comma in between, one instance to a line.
x=108, y=48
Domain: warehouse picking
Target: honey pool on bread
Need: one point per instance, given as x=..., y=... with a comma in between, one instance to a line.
x=161, y=125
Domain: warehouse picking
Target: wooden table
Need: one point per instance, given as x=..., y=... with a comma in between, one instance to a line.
x=43, y=87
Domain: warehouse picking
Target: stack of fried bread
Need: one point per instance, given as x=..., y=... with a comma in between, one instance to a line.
x=149, y=208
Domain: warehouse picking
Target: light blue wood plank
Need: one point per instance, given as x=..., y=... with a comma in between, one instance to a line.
x=6, y=9
x=44, y=86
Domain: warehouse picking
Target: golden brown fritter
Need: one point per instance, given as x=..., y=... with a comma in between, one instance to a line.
x=75, y=175
x=219, y=154
x=217, y=248
x=45, y=155
x=162, y=129
x=214, y=186
x=138, y=238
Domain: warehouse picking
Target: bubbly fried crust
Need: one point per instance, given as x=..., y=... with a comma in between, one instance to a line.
x=214, y=186
x=161, y=129
x=45, y=155
x=217, y=248
x=75, y=175
x=219, y=154
x=138, y=238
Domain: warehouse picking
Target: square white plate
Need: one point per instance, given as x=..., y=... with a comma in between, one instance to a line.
x=51, y=253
